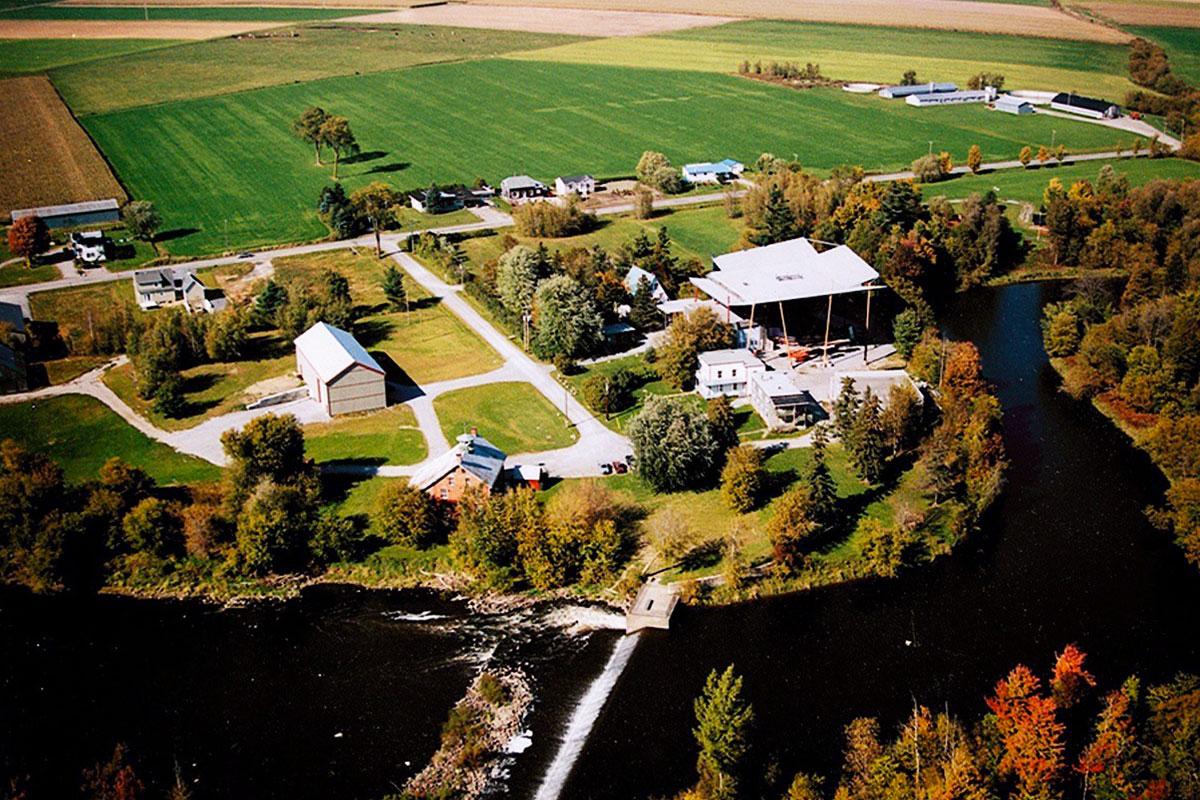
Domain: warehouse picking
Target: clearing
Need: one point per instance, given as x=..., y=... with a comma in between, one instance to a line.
x=1028, y=185
x=513, y=416
x=1022, y=20
x=532, y=19
x=864, y=53
x=381, y=437
x=81, y=433
x=566, y=118
x=45, y=157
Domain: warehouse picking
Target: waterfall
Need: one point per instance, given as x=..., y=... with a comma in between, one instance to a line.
x=582, y=720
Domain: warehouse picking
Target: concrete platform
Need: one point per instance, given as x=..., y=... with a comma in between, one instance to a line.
x=653, y=607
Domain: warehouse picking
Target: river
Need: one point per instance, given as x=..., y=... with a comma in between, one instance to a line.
x=255, y=697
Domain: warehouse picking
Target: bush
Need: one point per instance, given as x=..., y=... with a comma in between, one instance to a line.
x=929, y=169
x=405, y=515
x=743, y=478
x=611, y=394
x=673, y=444
x=549, y=220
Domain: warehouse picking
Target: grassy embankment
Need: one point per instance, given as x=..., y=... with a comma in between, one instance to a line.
x=1028, y=185
x=232, y=139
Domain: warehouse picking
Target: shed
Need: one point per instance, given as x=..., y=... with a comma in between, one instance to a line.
x=339, y=373
x=73, y=215
x=1012, y=105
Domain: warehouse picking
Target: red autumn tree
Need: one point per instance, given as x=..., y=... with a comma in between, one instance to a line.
x=1110, y=761
x=1031, y=734
x=1070, y=679
x=28, y=237
x=962, y=378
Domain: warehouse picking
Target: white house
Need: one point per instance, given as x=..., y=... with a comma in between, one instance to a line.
x=726, y=372
x=198, y=297
x=1012, y=105
x=517, y=188
x=633, y=282
x=582, y=185
x=90, y=247
x=1072, y=103
x=924, y=100
x=781, y=401
x=164, y=286
x=715, y=172
x=339, y=373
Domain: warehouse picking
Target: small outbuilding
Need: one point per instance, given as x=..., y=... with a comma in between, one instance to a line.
x=722, y=171
x=581, y=185
x=1010, y=104
x=73, y=215
x=518, y=188
x=473, y=461
x=1072, y=103
x=339, y=373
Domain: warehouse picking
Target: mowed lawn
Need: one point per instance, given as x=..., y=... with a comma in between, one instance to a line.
x=1028, y=185
x=381, y=437
x=865, y=53
x=80, y=433
x=231, y=162
x=513, y=416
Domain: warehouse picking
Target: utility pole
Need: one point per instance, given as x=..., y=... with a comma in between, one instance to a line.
x=1053, y=133
x=931, y=147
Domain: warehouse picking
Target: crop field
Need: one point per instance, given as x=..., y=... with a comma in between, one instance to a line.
x=1137, y=12
x=45, y=157
x=25, y=56
x=862, y=53
x=204, y=161
x=286, y=56
x=1028, y=184
x=1182, y=46
x=154, y=12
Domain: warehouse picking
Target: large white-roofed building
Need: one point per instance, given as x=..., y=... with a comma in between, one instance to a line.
x=339, y=373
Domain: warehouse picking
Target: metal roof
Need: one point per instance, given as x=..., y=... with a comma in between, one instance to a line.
x=520, y=182
x=331, y=351
x=723, y=166
x=732, y=355
x=474, y=453
x=87, y=206
x=781, y=388
x=791, y=270
x=1079, y=101
x=575, y=178
x=13, y=315
x=919, y=88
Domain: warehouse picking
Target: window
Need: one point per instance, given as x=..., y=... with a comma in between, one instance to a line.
x=718, y=374
x=445, y=494
x=450, y=481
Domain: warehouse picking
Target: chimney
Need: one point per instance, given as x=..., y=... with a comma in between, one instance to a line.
x=474, y=431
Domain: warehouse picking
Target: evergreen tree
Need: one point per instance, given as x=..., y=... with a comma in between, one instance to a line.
x=779, y=224
x=821, y=485
x=723, y=718
x=906, y=331
x=392, y=284
x=868, y=453
x=722, y=421
x=269, y=300
x=845, y=412
x=643, y=310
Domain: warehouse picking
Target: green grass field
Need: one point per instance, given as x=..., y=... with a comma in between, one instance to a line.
x=294, y=55
x=1182, y=46
x=382, y=437
x=556, y=118
x=1028, y=185
x=513, y=416
x=156, y=13
x=81, y=434
x=20, y=275
x=23, y=56
x=864, y=53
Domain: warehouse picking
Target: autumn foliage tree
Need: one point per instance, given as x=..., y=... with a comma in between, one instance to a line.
x=1070, y=680
x=1031, y=734
x=28, y=237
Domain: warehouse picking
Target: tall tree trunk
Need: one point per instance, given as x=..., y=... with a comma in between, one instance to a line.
x=378, y=247
x=317, y=148
x=336, y=157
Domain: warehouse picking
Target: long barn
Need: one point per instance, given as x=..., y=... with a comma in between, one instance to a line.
x=339, y=372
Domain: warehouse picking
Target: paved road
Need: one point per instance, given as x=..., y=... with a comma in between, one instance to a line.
x=1014, y=164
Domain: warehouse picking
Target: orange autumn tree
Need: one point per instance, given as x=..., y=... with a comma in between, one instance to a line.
x=1111, y=760
x=1031, y=733
x=1070, y=679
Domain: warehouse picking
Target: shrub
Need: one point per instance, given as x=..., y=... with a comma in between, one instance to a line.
x=929, y=169
x=673, y=444
x=405, y=515
x=743, y=478
x=613, y=393
x=543, y=219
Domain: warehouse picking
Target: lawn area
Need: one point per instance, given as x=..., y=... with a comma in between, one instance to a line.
x=865, y=53
x=20, y=275
x=210, y=390
x=620, y=421
x=382, y=437
x=80, y=433
x=291, y=56
x=24, y=56
x=602, y=117
x=513, y=416
x=1182, y=46
x=64, y=370
x=427, y=342
x=1028, y=185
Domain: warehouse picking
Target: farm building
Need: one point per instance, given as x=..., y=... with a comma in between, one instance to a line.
x=896, y=92
x=781, y=401
x=73, y=215
x=163, y=286
x=715, y=172
x=12, y=320
x=925, y=100
x=473, y=461
x=90, y=247
x=1012, y=105
x=1072, y=103
x=339, y=373
x=436, y=201
x=726, y=372
x=634, y=279
x=791, y=288
x=582, y=185
x=522, y=187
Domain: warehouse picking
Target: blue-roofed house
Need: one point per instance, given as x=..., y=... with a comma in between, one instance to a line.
x=634, y=279
x=715, y=172
x=473, y=461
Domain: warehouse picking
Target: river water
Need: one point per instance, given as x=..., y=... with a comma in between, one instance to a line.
x=251, y=701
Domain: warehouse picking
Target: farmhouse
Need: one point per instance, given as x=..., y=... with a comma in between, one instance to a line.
x=582, y=185
x=339, y=373
x=717, y=172
x=896, y=92
x=163, y=286
x=436, y=201
x=73, y=215
x=1012, y=105
x=634, y=279
x=781, y=401
x=522, y=187
x=473, y=461
x=1072, y=103
x=726, y=372
x=927, y=99
x=90, y=247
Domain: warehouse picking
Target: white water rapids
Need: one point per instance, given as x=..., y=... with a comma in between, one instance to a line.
x=583, y=719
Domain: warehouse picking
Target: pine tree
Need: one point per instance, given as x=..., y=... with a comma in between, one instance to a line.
x=643, y=309
x=393, y=287
x=779, y=224
x=845, y=411
x=868, y=453
x=722, y=720
x=821, y=485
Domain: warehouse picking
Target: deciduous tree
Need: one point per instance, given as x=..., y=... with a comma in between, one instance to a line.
x=742, y=478
x=28, y=237
x=307, y=128
x=142, y=219
x=376, y=203
x=974, y=159
x=336, y=134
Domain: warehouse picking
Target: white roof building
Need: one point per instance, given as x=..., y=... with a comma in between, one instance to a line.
x=951, y=98
x=1013, y=105
x=340, y=374
x=791, y=270
x=725, y=372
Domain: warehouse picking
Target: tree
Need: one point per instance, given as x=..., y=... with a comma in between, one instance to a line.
x=336, y=134
x=906, y=331
x=168, y=396
x=822, y=487
x=153, y=527
x=566, y=320
x=721, y=419
x=886, y=547
x=804, y=787
x=743, y=478
x=114, y=780
x=723, y=719
x=983, y=80
x=909, y=78
x=643, y=308
x=269, y=300
x=405, y=515
x=392, y=284
x=974, y=159
x=670, y=534
x=1070, y=679
x=928, y=169
x=673, y=444
x=649, y=165
x=376, y=203
x=1030, y=733
x=1043, y=154
x=791, y=527
x=1111, y=760
x=779, y=224
x=273, y=528
x=307, y=128
x=227, y=335
x=142, y=219
x=867, y=450
x=270, y=447
x=845, y=411
x=901, y=418
x=517, y=274
x=688, y=335
x=28, y=237
x=1025, y=156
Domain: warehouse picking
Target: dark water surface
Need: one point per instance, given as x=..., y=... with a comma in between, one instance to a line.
x=1067, y=556
x=251, y=700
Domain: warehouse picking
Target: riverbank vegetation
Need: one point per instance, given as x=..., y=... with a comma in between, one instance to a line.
x=1131, y=347
x=1040, y=738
